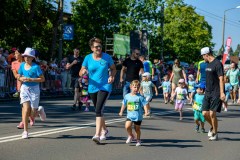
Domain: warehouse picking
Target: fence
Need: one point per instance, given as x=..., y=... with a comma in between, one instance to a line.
x=52, y=87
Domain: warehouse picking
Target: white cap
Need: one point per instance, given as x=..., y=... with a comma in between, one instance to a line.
x=205, y=50
x=146, y=74
x=29, y=52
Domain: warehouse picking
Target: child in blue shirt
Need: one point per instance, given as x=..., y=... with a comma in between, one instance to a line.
x=146, y=89
x=197, y=107
x=166, y=87
x=135, y=104
x=191, y=90
x=228, y=89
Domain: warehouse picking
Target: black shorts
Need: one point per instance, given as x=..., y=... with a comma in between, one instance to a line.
x=75, y=82
x=212, y=103
x=135, y=122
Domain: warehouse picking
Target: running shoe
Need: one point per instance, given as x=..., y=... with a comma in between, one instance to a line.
x=225, y=110
x=25, y=135
x=197, y=128
x=129, y=140
x=20, y=125
x=210, y=133
x=171, y=102
x=86, y=109
x=214, y=137
x=42, y=114
x=32, y=120
x=73, y=107
x=138, y=143
x=96, y=139
x=16, y=95
x=80, y=106
x=202, y=130
x=104, y=135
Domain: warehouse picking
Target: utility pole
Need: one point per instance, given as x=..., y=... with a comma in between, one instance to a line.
x=162, y=34
x=60, y=30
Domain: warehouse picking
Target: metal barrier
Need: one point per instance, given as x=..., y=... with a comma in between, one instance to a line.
x=52, y=87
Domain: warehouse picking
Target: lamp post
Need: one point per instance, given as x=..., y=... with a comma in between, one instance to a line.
x=224, y=18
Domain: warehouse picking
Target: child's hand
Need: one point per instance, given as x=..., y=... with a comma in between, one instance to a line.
x=120, y=113
x=159, y=87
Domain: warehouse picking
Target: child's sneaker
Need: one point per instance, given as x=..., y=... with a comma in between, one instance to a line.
x=73, y=107
x=225, y=110
x=86, y=109
x=171, y=102
x=32, y=120
x=129, y=140
x=80, y=106
x=202, y=130
x=20, y=125
x=104, y=135
x=25, y=135
x=138, y=143
x=16, y=95
x=197, y=128
x=42, y=114
x=96, y=139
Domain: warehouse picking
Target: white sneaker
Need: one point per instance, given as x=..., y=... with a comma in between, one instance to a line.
x=210, y=133
x=214, y=137
x=138, y=143
x=42, y=114
x=104, y=135
x=25, y=135
x=129, y=140
x=225, y=110
x=96, y=139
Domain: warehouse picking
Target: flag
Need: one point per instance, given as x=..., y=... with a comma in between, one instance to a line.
x=227, y=49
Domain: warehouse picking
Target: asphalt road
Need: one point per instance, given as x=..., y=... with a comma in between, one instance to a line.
x=66, y=135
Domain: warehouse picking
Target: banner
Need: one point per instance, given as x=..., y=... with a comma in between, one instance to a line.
x=121, y=44
x=226, y=51
x=68, y=32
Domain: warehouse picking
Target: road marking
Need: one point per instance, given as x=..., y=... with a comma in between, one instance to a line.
x=66, y=129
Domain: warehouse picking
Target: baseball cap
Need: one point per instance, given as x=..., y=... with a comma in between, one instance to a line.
x=181, y=81
x=85, y=77
x=29, y=52
x=201, y=85
x=205, y=50
x=190, y=76
x=146, y=74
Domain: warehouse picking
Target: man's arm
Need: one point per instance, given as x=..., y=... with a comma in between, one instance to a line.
x=123, y=70
x=221, y=84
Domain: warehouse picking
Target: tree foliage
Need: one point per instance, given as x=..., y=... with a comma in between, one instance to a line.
x=34, y=23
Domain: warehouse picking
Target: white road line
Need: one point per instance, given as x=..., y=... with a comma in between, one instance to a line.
x=66, y=129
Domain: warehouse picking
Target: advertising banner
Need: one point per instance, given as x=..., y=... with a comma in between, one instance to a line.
x=121, y=44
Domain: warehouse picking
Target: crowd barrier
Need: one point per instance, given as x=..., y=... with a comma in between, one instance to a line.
x=52, y=87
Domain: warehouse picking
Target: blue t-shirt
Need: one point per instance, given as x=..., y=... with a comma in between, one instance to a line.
x=198, y=100
x=202, y=65
x=147, y=88
x=166, y=86
x=34, y=72
x=98, y=72
x=228, y=88
x=134, y=104
x=191, y=85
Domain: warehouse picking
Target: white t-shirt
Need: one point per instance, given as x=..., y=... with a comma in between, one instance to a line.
x=181, y=94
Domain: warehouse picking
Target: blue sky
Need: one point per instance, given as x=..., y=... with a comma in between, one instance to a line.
x=213, y=11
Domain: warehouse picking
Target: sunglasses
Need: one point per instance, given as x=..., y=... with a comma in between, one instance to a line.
x=137, y=53
x=180, y=83
x=96, y=47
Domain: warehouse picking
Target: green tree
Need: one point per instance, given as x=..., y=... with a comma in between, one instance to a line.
x=185, y=32
x=94, y=18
